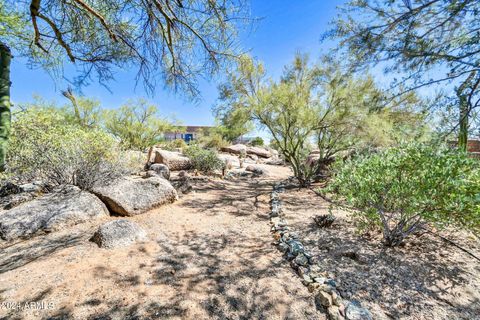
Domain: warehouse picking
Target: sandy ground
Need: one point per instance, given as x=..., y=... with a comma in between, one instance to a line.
x=209, y=256
x=426, y=278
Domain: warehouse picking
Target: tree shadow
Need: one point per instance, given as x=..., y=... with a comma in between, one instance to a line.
x=425, y=278
x=21, y=253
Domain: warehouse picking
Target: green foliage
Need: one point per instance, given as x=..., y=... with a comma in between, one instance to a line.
x=403, y=188
x=175, y=144
x=86, y=112
x=175, y=42
x=213, y=138
x=257, y=141
x=321, y=104
x=136, y=125
x=422, y=43
x=45, y=145
x=204, y=160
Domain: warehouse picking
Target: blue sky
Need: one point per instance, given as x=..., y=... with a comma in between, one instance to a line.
x=287, y=26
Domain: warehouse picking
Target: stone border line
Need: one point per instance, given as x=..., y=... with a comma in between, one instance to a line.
x=308, y=268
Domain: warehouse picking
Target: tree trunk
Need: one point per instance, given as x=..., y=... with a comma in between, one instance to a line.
x=464, y=110
x=5, y=114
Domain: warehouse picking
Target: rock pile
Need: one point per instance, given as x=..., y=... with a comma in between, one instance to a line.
x=308, y=269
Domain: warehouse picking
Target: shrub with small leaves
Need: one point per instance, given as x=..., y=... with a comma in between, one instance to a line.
x=257, y=141
x=405, y=188
x=46, y=146
x=324, y=220
x=175, y=144
x=204, y=160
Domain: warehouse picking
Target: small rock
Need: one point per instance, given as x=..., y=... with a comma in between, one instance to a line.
x=295, y=247
x=336, y=299
x=301, y=260
x=354, y=311
x=118, y=233
x=324, y=298
x=331, y=283
x=313, y=287
x=306, y=279
x=315, y=268
x=295, y=236
x=276, y=236
x=283, y=247
x=313, y=260
x=302, y=271
x=334, y=313
x=320, y=280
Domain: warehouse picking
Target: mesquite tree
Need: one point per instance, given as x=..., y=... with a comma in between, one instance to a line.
x=172, y=40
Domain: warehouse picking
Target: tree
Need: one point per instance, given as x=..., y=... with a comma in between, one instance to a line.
x=136, y=125
x=428, y=41
x=86, y=111
x=176, y=41
x=318, y=107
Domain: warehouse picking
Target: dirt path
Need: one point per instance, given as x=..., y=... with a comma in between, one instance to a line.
x=209, y=257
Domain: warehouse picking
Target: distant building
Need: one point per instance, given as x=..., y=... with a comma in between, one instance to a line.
x=187, y=133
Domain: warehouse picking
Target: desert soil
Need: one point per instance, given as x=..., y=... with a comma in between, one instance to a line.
x=426, y=278
x=209, y=256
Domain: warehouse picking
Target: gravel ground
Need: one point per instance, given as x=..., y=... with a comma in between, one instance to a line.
x=209, y=256
x=424, y=279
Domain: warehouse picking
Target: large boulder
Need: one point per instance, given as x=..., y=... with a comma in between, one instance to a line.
x=175, y=161
x=261, y=152
x=236, y=149
x=118, y=233
x=62, y=208
x=129, y=196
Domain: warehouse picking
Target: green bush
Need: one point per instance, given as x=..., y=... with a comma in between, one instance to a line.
x=44, y=145
x=404, y=188
x=204, y=160
x=175, y=144
x=257, y=141
x=212, y=140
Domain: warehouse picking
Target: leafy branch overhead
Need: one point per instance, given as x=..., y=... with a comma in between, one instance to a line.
x=174, y=40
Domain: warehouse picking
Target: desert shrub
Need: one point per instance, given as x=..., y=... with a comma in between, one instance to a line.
x=212, y=139
x=45, y=146
x=404, y=188
x=175, y=144
x=257, y=141
x=136, y=124
x=204, y=160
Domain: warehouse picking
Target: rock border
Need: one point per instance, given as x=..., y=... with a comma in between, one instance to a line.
x=307, y=267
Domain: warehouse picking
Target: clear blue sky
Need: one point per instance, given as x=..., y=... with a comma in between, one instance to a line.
x=287, y=26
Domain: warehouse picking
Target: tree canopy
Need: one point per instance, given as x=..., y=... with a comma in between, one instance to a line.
x=421, y=43
x=175, y=40
x=318, y=106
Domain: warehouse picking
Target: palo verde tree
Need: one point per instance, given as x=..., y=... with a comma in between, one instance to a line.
x=428, y=42
x=136, y=124
x=172, y=40
x=317, y=106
